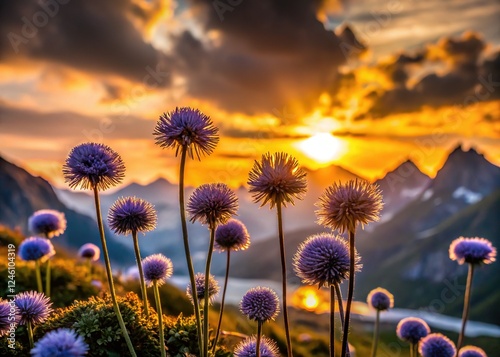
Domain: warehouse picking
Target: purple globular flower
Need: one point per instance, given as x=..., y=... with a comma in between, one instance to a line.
x=213, y=287
x=260, y=304
x=380, y=299
x=247, y=348
x=33, y=307
x=472, y=251
x=436, y=345
x=157, y=268
x=233, y=235
x=323, y=260
x=212, y=204
x=60, y=343
x=89, y=251
x=472, y=351
x=7, y=312
x=131, y=215
x=189, y=128
x=343, y=206
x=93, y=165
x=49, y=222
x=412, y=329
x=36, y=248
x=277, y=178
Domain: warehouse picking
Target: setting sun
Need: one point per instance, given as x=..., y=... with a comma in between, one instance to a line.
x=321, y=147
x=310, y=300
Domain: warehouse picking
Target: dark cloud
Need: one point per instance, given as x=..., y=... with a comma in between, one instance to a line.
x=267, y=54
x=90, y=35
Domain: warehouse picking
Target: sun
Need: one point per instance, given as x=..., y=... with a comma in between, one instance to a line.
x=321, y=147
x=310, y=300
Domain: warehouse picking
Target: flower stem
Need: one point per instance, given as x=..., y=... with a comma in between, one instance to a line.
x=375, y=334
x=141, y=273
x=109, y=274
x=38, y=276
x=341, y=310
x=30, y=334
x=412, y=349
x=206, y=298
x=89, y=268
x=228, y=262
x=187, y=251
x=350, y=294
x=283, y=277
x=259, y=336
x=332, y=321
x=160, y=319
x=47, y=278
x=465, y=314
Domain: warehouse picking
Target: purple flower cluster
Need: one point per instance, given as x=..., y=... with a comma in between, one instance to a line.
x=60, y=343
x=436, y=345
x=233, y=235
x=277, y=178
x=212, y=204
x=5, y=319
x=412, y=329
x=48, y=222
x=36, y=248
x=89, y=251
x=323, y=260
x=380, y=299
x=213, y=287
x=260, y=304
x=157, y=268
x=93, y=166
x=131, y=215
x=247, y=348
x=189, y=128
x=472, y=251
x=471, y=351
x=33, y=307
x=343, y=206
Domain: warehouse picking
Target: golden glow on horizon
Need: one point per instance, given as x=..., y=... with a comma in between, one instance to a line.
x=310, y=300
x=321, y=147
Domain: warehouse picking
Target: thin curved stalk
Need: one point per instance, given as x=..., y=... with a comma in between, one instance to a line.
x=259, y=336
x=332, y=321
x=89, y=268
x=160, y=319
x=465, y=313
x=206, y=297
x=412, y=349
x=375, y=334
x=47, y=278
x=228, y=262
x=187, y=251
x=30, y=334
x=109, y=274
x=350, y=294
x=141, y=273
x=341, y=311
x=38, y=276
x=283, y=278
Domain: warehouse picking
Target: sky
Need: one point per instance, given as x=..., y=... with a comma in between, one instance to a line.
x=363, y=84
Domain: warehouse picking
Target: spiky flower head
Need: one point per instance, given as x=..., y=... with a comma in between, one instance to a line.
x=92, y=165
x=8, y=314
x=189, y=128
x=131, y=215
x=157, y=268
x=232, y=235
x=33, y=306
x=436, y=345
x=36, y=248
x=472, y=351
x=323, y=260
x=48, y=222
x=89, y=251
x=343, y=205
x=380, y=299
x=277, y=178
x=260, y=304
x=60, y=343
x=473, y=251
x=199, y=280
x=248, y=348
x=212, y=204
x=412, y=329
